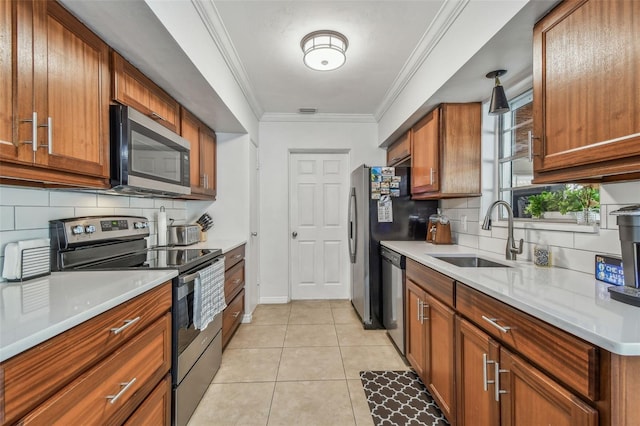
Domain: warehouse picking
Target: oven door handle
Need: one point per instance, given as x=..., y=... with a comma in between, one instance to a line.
x=190, y=277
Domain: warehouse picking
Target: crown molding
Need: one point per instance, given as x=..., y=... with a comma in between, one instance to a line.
x=317, y=118
x=218, y=32
x=445, y=17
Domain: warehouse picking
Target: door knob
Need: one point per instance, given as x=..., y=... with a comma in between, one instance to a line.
x=294, y=234
x=254, y=234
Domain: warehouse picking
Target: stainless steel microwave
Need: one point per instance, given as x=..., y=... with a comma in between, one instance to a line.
x=146, y=158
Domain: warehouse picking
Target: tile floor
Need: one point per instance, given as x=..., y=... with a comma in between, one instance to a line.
x=297, y=364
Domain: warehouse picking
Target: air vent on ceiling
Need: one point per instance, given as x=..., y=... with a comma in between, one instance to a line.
x=308, y=110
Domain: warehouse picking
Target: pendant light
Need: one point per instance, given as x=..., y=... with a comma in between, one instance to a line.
x=499, y=104
x=324, y=50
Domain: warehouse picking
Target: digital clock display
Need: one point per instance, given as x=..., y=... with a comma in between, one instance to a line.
x=114, y=225
x=609, y=270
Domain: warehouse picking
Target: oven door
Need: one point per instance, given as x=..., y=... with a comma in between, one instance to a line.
x=189, y=342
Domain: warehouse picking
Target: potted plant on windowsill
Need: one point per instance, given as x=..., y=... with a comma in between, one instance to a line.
x=573, y=203
x=584, y=200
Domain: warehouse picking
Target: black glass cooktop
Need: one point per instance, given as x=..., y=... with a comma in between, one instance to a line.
x=182, y=259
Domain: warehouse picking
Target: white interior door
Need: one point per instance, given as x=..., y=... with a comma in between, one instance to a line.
x=318, y=195
x=252, y=292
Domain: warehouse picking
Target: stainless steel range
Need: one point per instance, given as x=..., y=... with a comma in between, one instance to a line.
x=119, y=243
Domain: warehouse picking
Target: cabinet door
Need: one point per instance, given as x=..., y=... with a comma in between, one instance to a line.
x=71, y=88
x=425, y=158
x=156, y=409
x=586, y=89
x=190, y=130
x=208, y=160
x=131, y=87
x=415, y=328
x=8, y=143
x=440, y=355
x=530, y=397
x=475, y=362
x=400, y=150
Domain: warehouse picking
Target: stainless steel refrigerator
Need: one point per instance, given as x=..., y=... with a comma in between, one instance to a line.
x=380, y=208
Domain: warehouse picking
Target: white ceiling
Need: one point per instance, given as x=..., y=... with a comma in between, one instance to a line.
x=261, y=43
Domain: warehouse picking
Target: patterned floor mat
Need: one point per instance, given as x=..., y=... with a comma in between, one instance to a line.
x=400, y=398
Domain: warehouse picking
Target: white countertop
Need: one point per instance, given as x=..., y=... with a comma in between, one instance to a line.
x=39, y=309
x=572, y=301
x=226, y=245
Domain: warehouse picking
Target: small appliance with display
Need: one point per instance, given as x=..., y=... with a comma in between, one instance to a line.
x=628, y=219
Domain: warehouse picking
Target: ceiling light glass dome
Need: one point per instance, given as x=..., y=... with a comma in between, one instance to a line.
x=324, y=50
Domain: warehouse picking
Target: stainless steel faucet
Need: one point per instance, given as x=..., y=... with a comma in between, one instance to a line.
x=511, y=250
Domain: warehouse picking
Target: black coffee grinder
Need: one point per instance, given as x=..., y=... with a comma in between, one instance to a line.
x=629, y=228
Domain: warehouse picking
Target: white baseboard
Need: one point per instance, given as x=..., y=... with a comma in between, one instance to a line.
x=246, y=318
x=273, y=300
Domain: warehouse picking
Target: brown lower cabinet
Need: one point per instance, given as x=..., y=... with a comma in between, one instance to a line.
x=233, y=293
x=497, y=387
x=92, y=375
x=430, y=345
x=487, y=363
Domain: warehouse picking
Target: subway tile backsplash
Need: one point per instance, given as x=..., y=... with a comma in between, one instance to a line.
x=571, y=250
x=25, y=212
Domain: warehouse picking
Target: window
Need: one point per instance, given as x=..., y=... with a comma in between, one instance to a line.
x=515, y=171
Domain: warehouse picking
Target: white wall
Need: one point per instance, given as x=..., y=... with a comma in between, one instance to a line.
x=473, y=28
x=276, y=140
x=230, y=211
x=184, y=24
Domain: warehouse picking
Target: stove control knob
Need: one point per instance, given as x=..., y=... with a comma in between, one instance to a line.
x=77, y=230
x=140, y=225
x=90, y=229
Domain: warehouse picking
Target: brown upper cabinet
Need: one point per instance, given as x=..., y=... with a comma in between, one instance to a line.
x=446, y=153
x=586, y=90
x=399, y=151
x=203, y=156
x=132, y=88
x=54, y=107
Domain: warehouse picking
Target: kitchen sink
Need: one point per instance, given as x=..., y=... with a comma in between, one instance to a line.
x=471, y=262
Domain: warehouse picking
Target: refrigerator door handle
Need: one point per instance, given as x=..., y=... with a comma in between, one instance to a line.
x=353, y=223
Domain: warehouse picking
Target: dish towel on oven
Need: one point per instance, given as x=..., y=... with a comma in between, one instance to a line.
x=208, y=294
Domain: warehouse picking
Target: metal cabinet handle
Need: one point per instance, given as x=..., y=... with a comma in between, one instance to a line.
x=237, y=281
x=496, y=380
x=395, y=159
x=127, y=324
x=49, y=127
x=431, y=173
x=424, y=305
x=493, y=322
x=419, y=309
x=237, y=256
x=235, y=314
x=157, y=116
x=34, y=131
x=485, y=381
x=113, y=398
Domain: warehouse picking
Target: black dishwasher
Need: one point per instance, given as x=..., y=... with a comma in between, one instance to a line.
x=393, y=267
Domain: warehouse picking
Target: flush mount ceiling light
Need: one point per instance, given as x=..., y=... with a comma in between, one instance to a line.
x=324, y=50
x=499, y=104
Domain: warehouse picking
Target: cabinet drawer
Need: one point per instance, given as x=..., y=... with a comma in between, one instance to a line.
x=34, y=375
x=233, y=281
x=439, y=285
x=564, y=356
x=233, y=256
x=231, y=317
x=156, y=409
x=110, y=392
x=400, y=150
